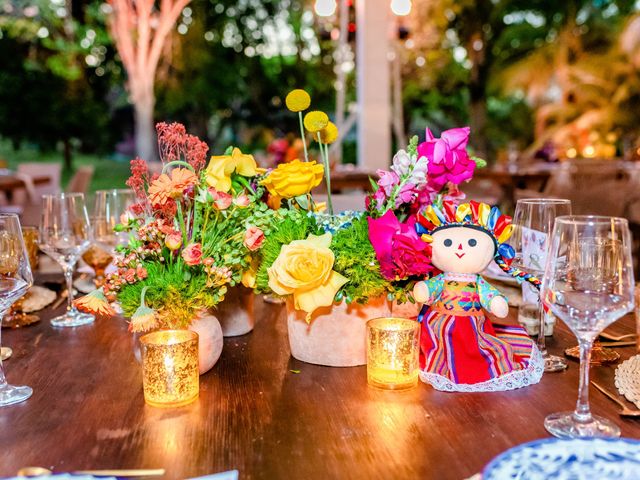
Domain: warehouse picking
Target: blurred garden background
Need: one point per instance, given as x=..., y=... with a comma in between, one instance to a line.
x=533, y=78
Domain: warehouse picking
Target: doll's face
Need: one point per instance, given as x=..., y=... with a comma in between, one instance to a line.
x=461, y=250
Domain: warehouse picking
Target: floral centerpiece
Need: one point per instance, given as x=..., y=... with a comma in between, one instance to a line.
x=353, y=261
x=190, y=236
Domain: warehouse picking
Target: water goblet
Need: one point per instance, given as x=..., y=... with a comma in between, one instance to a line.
x=65, y=234
x=533, y=221
x=15, y=279
x=589, y=284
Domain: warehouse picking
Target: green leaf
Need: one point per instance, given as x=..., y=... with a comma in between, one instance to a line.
x=412, y=148
x=187, y=276
x=294, y=371
x=229, y=150
x=303, y=201
x=374, y=185
x=480, y=162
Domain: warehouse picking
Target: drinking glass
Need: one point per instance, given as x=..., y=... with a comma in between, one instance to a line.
x=65, y=234
x=111, y=208
x=15, y=280
x=533, y=221
x=589, y=284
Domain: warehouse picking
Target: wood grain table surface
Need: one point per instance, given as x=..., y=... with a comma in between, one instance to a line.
x=257, y=415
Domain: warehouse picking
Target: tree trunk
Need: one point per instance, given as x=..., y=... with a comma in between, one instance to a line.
x=478, y=121
x=144, y=103
x=68, y=159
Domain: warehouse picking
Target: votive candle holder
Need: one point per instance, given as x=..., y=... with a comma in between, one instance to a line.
x=170, y=367
x=393, y=347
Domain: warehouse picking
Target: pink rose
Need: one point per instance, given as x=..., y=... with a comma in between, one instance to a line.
x=448, y=157
x=399, y=250
x=207, y=262
x=130, y=275
x=242, y=200
x=223, y=201
x=173, y=241
x=192, y=254
x=253, y=238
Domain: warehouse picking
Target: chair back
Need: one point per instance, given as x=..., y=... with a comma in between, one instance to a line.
x=36, y=169
x=81, y=180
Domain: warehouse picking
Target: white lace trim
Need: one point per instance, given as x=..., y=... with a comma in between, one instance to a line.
x=509, y=381
x=461, y=277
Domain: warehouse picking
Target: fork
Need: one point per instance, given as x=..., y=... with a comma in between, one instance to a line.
x=626, y=411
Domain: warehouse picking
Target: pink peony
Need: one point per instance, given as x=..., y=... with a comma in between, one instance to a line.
x=222, y=200
x=448, y=157
x=399, y=250
x=192, y=254
x=253, y=238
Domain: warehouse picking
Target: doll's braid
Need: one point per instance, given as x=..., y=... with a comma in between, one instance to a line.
x=518, y=274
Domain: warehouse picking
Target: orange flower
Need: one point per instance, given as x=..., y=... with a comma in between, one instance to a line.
x=165, y=187
x=96, y=304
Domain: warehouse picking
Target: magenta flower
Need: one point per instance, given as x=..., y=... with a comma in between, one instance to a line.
x=448, y=157
x=399, y=250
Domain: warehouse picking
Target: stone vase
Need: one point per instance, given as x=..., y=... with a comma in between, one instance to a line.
x=235, y=312
x=336, y=335
x=210, y=340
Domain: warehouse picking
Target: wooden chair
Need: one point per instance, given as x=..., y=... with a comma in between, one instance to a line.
x=81, y=180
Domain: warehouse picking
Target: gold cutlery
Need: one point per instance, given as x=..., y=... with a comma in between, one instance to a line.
x=617, y=344
x=626, y=411
x=60, y=300
x=41, y=471
x=617, y=338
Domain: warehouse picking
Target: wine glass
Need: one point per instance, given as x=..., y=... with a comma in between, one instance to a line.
x=15, y=279
x=65, y=234
x=533, y=221
x=110, y=209
x=589, y=284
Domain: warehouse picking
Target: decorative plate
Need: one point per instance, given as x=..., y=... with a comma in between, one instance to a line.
x=628, y=379
x=560, y=459
x=36, y=299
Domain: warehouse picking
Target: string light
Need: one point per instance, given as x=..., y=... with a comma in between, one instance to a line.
x=325, y=8
x=401, y=7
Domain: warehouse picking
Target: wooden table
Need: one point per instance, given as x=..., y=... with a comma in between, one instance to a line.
x=9, y=183
x=256, y=415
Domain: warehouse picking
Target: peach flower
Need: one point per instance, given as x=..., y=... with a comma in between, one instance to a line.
x=164, y=187
x=192, y=254
x=253, y=238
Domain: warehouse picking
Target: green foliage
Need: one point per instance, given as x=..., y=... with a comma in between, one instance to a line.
x=175, y=296
x=356, y=260
x=292, y=225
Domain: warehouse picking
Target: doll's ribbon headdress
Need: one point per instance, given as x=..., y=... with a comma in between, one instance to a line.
x=479, y=216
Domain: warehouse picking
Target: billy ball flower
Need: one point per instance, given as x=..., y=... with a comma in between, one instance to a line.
x=329, y=134
x=315, y=121
x=297, y=100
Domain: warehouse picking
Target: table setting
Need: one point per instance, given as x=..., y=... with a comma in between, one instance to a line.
x=426, y=335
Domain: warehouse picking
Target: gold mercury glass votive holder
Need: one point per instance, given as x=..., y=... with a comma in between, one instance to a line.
x=393, y=347
x=30, y=237
x=170, y=367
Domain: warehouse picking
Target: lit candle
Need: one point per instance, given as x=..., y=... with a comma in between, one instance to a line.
x=170, y=367
x=393, y=346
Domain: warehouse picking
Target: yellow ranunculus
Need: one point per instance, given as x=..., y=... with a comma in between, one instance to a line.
x=221, y=167
x=304, y=269
x=294, y=178
x=249, y=275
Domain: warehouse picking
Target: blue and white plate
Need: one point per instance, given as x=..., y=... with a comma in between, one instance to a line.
x=559, y=459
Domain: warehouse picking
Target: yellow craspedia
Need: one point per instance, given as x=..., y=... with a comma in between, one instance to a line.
x=329, y=134
x=315, y=121
x=297, y=100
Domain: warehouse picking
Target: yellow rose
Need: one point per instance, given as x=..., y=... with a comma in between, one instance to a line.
x=221, y=167
x=304, y=269
x=294, y=178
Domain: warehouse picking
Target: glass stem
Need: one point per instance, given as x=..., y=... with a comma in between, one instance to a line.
x=583, y=412
x=68, y=276
x=3, y=380
x=542, y=344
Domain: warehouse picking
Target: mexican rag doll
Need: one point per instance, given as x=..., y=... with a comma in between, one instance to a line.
x=461, y=350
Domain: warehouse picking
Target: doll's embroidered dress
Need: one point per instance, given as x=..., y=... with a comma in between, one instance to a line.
x=461, y=350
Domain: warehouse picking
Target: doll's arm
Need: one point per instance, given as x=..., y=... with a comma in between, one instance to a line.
x=428, y=290
x=491, y=299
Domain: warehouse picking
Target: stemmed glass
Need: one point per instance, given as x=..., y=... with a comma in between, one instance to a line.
x=589, y=284
x=65, y=234
x=533, y=221
x=111, y=208
x=15, y=279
